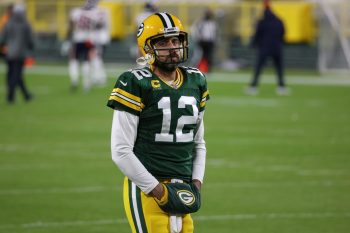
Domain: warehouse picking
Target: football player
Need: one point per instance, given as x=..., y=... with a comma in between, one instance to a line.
x=101, y=37
x=85, y=22
x=157, y=138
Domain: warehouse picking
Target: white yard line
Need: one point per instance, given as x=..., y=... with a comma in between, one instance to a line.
x=40, y=224
x=291, y=80
x=57, y=190
x=271, y=216
x=322, y=172
x=208, y=185
x=114, y=70
x=267, y=184
x=214, y=218
x=245, y=101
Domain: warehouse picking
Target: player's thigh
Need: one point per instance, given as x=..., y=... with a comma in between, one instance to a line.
x=144, y=214
x=73, y=53
x=82, y=52
x=157, y=220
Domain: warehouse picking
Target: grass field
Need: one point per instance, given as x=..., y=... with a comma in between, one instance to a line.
x=275, y=164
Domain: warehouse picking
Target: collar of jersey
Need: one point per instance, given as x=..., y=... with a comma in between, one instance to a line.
x=178, y=80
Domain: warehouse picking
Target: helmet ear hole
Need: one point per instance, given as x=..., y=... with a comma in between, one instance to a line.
x=147, y=48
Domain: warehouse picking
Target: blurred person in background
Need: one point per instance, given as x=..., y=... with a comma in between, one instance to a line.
x=205, y=32
x=268, y=40
x=157, y=138
x=148, y=9
x=84, y=33
x=3, y=20
x=101, y=38
x=18, y=38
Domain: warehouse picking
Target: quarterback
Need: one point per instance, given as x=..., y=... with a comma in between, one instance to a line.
x=157, y=138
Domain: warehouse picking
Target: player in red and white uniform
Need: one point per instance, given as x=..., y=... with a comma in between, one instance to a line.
x=100, y=37
x=88, y=30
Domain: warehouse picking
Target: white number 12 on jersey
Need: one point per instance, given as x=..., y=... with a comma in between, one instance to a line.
x=165, y=135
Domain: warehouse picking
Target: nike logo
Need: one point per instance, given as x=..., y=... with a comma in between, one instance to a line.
x=123, y=83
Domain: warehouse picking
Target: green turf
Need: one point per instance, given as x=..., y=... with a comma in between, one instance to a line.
x=275, y=164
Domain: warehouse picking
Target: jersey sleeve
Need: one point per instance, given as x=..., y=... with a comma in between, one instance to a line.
x=126, y=95
x=204, y=92
x=203, y=86
x=201, y=82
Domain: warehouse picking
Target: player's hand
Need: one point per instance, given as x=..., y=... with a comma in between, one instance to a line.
x=197, y=183
x=158, y=191
x=180, y=198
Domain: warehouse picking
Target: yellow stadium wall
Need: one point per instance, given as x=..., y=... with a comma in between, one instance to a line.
x=117, y=19
x=52, y=16
x=298, y=20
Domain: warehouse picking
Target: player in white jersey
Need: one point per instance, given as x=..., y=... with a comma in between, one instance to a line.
x=100, y=37
x=87, y=31
x=149, y=8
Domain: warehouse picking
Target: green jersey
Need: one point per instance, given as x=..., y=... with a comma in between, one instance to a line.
x=168, y=117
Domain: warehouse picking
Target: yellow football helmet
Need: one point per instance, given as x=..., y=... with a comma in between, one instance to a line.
x=156, y=26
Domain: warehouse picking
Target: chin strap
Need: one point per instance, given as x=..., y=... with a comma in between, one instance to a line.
x=175, y=221
x=142, y=61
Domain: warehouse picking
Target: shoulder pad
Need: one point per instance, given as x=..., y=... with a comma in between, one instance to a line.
x=192, y=70
x=126, y=94
x=139, y=73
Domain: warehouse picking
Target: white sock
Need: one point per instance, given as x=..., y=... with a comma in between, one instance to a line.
x=86, y=75
x=74, y=72
x=98, y=70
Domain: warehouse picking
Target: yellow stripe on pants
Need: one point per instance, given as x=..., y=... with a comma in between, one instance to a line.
x=157, y=221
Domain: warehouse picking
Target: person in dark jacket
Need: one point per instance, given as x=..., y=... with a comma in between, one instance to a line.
x=268, y=40
x=3, y=20
x=17, y=36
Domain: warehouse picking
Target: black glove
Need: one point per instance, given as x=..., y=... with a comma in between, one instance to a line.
x=180, y=198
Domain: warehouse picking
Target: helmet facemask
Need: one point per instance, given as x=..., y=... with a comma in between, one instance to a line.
x=181, y=52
